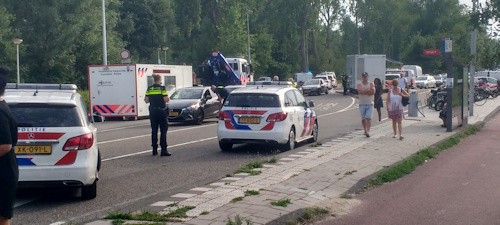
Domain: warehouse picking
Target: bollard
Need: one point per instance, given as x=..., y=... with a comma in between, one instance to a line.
x=412, y=106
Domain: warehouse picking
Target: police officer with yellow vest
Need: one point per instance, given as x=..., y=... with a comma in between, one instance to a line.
x=221, y=92
x=157, y=96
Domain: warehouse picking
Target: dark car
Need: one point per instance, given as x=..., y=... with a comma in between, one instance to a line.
x=314, y=87
x=193, y=104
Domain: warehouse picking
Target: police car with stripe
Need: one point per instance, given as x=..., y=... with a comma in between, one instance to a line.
x=267, y=114
x=57, y=144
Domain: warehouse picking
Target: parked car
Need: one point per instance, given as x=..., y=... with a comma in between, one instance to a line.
x=388, y=80
x=426, y=82
x=330, y=78
x=193, y=104
x=276, y=115
x=439, y=80
x=489, y=82
x=57, y=144
x=314, y=86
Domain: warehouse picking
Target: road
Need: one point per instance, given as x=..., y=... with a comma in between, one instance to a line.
x=130, y=178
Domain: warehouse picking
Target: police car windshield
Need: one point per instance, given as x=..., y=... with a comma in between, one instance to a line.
x=252, y=100
x=46, y=115
x=187, y=94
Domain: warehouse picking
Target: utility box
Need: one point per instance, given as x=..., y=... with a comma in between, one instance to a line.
x=119, y=90
x=374, y=65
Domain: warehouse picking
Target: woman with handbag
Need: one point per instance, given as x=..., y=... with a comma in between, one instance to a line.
x=395, y=107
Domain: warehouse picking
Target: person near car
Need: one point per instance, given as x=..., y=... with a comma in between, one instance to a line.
x=221, y=92
x=293, y=82
x=395, y=107
x=377, y=100
x=403, y=82
x=276, y=78
x=366, y=90
x=344, y=83
x=157, y=97
x=9, y=170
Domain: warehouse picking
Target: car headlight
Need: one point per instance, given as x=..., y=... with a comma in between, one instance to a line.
x=195, y=106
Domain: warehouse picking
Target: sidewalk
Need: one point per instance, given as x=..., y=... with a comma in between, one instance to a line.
x=313, y=177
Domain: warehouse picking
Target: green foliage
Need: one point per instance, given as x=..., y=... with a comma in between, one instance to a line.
x=237, y=199
x=251, y=192
x=238, y=220
x=249, y=167
x=282, y=202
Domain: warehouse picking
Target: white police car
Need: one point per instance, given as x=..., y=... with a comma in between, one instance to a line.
x=277, y=115
x=57, y=144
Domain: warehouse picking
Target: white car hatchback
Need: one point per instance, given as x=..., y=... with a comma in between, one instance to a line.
x=267, y=115
x=57, y=145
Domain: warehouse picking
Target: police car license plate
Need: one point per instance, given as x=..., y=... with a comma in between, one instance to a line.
x=33, y=150
x=173, y=113
x=252, y=120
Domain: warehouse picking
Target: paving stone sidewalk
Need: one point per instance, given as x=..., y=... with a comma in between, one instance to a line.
x=311, y=176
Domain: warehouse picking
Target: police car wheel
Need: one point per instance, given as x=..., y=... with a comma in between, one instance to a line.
x=290, y=144
x=90, y=192
x=225, y=146
x=315, y=129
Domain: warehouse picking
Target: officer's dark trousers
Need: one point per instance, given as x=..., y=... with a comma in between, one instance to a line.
x=158, y=118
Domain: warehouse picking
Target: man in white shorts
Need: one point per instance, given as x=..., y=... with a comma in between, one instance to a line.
x=403, y=82
x=366, y=90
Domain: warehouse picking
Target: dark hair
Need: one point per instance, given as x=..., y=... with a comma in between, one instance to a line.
x=3, y=79
x=377, y=81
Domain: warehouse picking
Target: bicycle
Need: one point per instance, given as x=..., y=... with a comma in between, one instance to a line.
x=480, y=96
x=420, y=108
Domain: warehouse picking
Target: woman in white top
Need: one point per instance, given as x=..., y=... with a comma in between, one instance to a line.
x=395, y=107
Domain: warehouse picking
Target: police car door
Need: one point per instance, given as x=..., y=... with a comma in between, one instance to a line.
x=306, y=116
x=295, y=112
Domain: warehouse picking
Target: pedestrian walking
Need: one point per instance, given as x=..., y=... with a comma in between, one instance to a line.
x=395, y=107
x=344, y=83
x=403, y=82
x=9, y=170
x=366, y=90
x=157, y=96
x=377, y=101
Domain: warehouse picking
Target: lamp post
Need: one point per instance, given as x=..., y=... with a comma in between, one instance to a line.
x=17, y=42
x=104, y=45
x=165, y=48
x=248, y=37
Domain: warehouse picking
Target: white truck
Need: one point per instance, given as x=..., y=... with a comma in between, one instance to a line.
x=300, y=78
x=119, y=90
x=417, y=72
x=240, y=67
x=374, y=65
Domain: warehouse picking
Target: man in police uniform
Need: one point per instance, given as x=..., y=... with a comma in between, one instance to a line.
x=221, y=92
x=157, y=96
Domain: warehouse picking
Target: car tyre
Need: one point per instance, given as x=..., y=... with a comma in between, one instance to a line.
x=315, y=130
x=225, y=146
x=290, y=144
x=90, y=192
x=199, y=118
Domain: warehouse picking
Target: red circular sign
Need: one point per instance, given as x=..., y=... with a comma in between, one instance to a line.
x=125, y=54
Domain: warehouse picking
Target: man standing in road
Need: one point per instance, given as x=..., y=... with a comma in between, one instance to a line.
x=157, y=96
x=403, y=82
x=344, y=83
x=366, y=90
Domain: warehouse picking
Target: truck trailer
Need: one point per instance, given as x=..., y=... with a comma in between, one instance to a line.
x=374, y=65
x=119, y=90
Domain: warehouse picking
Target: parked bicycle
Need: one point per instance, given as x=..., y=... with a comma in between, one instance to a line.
x=434, y=97
x=480, y=96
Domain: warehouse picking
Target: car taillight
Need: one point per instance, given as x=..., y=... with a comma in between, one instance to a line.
x=224, y=116
x=79, y=143
x=276, y=117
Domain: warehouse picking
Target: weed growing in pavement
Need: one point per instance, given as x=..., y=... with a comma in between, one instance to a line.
x=251, y=192
x=282, y=202
x=249, y=167
x=255, y=172
x=204, y=213
x=347, y=196
x=272, y=160
x=409, y=165
x=238, y=220
x=173, y=204
x=229, y=175
x=314, y=145
x=237, y=199
x=350, y=172
x=120, y=218
x=180, y=212
x=308, y=216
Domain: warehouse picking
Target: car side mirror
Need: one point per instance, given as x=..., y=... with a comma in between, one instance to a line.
x=311, y=103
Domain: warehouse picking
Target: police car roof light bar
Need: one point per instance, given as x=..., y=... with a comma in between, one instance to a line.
x=72, y=87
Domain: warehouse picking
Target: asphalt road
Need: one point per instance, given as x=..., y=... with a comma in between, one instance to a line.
x=130, y=178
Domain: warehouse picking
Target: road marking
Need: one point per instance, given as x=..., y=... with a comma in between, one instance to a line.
x=342, y=110
x=149, y=151
x=121, y=128
x=147, y=135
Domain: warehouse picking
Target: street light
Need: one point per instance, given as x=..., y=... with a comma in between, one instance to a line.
x=104, y=45
x=17, y=42
x=165, y=48
x=248, y=37
x=158, y=51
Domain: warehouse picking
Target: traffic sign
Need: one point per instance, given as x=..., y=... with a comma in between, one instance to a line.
x=432, y=52
x=125, y=54
x=447, y=44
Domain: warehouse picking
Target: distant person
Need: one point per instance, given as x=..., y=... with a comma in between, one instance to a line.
x=276, y=78
x=221, y=92
x=395, y=107
x=366, y=90
x=403, y=82
x=293, y=82
x=377, y=101
x=157, y=96
x=344, y=83
x=443, y=115
x=9, y=170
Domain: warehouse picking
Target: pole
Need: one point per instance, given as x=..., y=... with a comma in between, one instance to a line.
x=104, y=47
x=472, y=72
x=18, y=74
x=165, y=62
x=248, y=38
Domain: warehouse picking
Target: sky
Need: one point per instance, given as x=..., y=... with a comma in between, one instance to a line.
x=469, y=2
